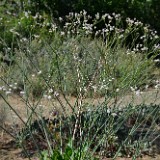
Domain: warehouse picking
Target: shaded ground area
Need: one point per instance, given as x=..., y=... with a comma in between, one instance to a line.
x=9, y=151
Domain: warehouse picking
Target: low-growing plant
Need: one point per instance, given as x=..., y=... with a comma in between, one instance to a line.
x=103, y=131
x=76, y=61
x=70, y=153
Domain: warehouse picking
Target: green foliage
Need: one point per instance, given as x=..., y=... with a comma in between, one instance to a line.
x=111, y=132
x=106, y=61
x=85, y=57
x=69, y=154
x=144, y=10
x=7, y=22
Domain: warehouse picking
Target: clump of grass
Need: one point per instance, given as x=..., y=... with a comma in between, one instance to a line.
x=112, y=58
x=109, y=132
x=83, y=61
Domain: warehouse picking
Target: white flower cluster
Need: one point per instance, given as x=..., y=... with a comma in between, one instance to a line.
x=50, y=94
x=8, y=89
x=77, y=23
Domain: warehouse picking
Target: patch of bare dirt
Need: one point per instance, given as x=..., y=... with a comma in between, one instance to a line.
x=9, y=149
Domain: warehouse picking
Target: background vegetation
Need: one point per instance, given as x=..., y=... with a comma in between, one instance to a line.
x=54, y=50
x=144, y=10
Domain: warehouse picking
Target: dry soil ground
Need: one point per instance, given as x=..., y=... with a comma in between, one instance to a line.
x=8, y=148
